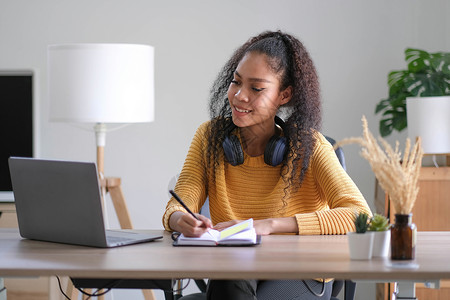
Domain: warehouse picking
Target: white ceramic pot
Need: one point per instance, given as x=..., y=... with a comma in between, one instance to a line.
x=381, y=243
x=428, y=117
x=360, y=245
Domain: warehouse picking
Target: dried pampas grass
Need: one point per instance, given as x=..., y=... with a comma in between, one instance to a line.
x=396, y=175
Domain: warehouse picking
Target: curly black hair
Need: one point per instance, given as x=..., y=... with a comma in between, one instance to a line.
x=289, y=59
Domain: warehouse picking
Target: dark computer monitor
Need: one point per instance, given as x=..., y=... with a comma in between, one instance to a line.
x=16, y=123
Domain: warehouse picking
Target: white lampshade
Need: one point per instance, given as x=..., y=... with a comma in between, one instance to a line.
x=101, y=83
x=429, y=118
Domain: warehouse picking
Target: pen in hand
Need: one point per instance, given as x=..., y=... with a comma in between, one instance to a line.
x=183, y=204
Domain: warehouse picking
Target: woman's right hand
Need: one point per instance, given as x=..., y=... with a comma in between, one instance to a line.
x=188, y=225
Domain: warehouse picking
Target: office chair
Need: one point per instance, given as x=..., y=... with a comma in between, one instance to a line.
x=348, y=285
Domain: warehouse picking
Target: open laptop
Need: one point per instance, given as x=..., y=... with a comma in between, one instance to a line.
x=60, y=201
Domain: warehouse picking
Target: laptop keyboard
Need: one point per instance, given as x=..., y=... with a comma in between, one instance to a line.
x=118, y=239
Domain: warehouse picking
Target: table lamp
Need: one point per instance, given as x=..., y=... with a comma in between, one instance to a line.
x=101, y=84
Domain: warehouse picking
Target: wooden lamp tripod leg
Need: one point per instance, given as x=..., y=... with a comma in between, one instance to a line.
x=118, y=200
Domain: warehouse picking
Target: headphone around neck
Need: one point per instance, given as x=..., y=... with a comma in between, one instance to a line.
x=274, y=153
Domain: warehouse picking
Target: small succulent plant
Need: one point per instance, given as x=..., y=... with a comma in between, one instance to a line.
x=378, y=223
x=361, y=222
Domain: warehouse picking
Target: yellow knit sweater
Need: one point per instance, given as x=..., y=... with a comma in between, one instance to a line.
x=324, y=204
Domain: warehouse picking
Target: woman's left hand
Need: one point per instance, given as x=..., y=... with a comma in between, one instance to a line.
x=263, y=227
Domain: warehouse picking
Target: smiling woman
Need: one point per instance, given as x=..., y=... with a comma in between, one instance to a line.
x=251, y=163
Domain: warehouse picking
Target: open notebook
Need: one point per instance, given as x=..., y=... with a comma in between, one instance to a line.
x=241, y=234
x=59, y=201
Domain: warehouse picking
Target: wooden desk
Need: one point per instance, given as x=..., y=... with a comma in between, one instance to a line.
x=21, y=288
x=8, y=217
x=278, y=257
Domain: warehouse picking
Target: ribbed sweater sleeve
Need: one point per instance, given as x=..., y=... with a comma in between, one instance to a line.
x=324, y=204
x=191, y=184
x=337, y=188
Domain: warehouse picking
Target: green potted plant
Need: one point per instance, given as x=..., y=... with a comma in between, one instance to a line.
x=361, y=222
x=361, y=241
x=379, y=225
x=427, y=76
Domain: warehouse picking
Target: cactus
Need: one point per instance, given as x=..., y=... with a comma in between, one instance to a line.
x=361, y=222
x=379, y=223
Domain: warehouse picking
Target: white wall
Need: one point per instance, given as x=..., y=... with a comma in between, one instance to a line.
x=354, y=43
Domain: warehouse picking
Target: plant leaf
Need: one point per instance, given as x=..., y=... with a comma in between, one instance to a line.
x=399, y=121
x=417, y=60
x=423, y=85
x=398, y=101
x=396, y=77
x=446, y=65
x=440, y=61
x=381, y=105
x=385, y=127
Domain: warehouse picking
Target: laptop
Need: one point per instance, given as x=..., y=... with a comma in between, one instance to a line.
x=60, y=201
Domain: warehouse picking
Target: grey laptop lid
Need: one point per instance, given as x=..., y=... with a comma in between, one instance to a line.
x=59, y=201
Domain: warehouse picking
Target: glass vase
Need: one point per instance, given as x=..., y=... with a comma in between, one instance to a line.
x=403, y=238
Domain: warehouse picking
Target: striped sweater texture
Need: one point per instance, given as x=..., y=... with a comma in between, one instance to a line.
x=324, y=204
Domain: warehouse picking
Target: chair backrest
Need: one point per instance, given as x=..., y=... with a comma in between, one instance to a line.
x=339, y=152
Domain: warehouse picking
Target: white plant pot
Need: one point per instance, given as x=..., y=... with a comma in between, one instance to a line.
x=381, y=243
x=429, y=118
x=360, y=245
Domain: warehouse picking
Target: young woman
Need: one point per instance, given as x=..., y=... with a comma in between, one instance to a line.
x=252, y=164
